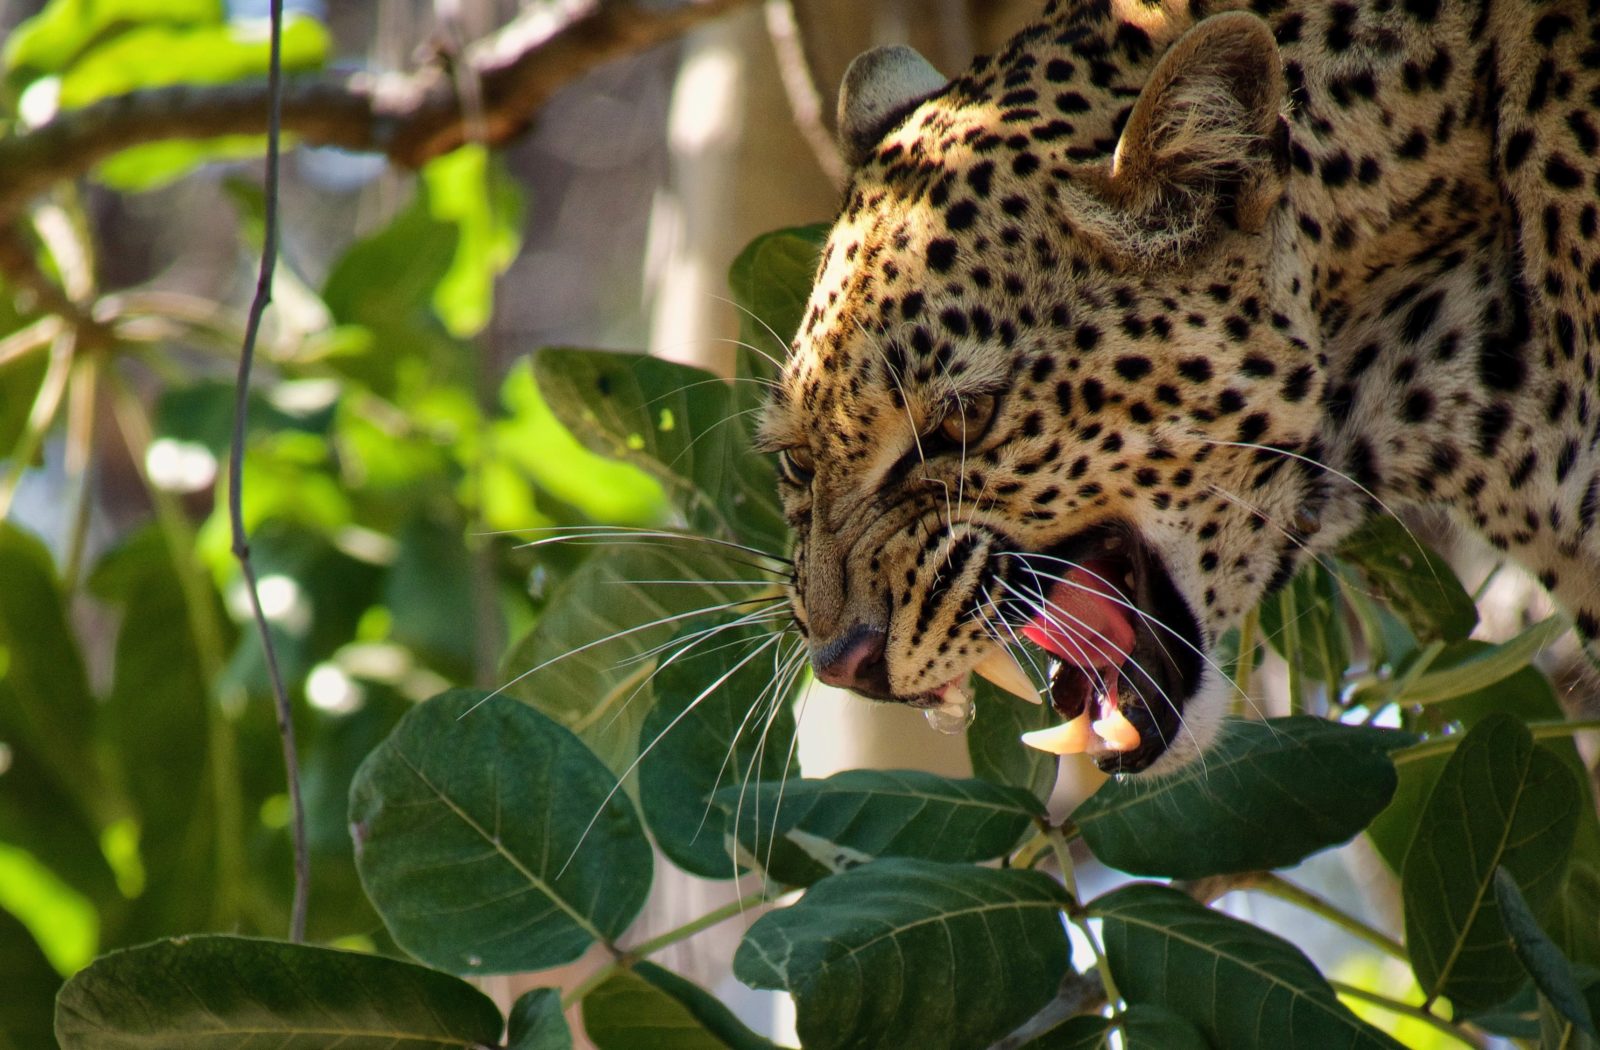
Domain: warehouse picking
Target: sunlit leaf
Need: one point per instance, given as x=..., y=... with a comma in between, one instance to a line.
x=1241, y=986
x=1265, y=795
x=536, y=1022
x=1500, y=801
x=912, y=953
x=471, y=189
x=1550, y=970
x=720, y=718
x=200, y=993
x=531, y=438
x=492, y=841
x=1419, y=585
x=28, y=1005
x=678, y=424
x=994, y=745
x=588, y=662
x=804, y=830
x=157, y=54
x=63, y=29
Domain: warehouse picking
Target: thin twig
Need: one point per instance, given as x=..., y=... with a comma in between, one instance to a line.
x=241, y=546
x=800, y=86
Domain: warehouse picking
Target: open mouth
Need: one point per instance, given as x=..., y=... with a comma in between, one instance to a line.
x=1125, y=649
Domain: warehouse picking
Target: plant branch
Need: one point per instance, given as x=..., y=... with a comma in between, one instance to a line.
x=409, y=118
x=1284, y=890
x=648, y=948
x=241, y=545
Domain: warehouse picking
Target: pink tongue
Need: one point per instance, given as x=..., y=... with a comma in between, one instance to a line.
x=1085, y=622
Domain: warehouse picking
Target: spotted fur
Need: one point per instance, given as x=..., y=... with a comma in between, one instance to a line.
x=1237, y=274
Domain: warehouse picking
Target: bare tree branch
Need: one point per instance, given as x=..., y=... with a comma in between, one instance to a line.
x=409, y=118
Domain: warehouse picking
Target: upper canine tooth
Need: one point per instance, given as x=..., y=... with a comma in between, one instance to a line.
x=1068, y=738
x=1118, y=733
x=1001, y=668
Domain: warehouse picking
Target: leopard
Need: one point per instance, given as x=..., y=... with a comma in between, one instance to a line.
x=1118, y=328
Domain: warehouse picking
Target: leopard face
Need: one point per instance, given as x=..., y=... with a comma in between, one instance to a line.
x=1053, y=384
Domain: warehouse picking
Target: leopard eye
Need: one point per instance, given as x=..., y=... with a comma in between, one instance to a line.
x=797, y=465
x=968, y=419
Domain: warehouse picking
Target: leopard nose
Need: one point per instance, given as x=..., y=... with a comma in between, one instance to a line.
x=855, y=661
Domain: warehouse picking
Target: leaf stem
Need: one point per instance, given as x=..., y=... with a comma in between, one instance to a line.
x=711, y=918
x=590, y=983
x=1291, y=650
x=1540, y=730
x=1395, y=1006
x=1284, y=890
x=241, y=411
x=1245, y=665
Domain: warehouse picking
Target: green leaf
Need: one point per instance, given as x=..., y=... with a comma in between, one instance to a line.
x=1577, y=919
x=159, y=55
x=771, y=282
x=20, y=380
x=1311, y=602
x=706, y=1008
x=804, y=830
x=471, y=189
x=198, y=993
x=44, y=688
x=1501, y=800
x=1239, y=985
x=1266, y=795
x=475, y=842
x=52, y=39
x=1087, y=1032
x=1539, y=955
x=912, y=953
x=1418, y=584
x=994, y=741
x=678, y=424
x=537, y=1023
x=628, y=1012
x=721, y=717
x=1146, y=1026
x=588, y=662
x=429, y=593
x=1484, y=667
x=30, y=983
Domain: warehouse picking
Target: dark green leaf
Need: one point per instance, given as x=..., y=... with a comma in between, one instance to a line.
x=912, y=953
x=20, y=379
x=1501, y=800
x=1557, y=1032
x=1146, y=1026
x=994, y=745
x=160, y=713
x=28, y=1004
x=1077, y=1033
x=429, y=594
x=1311, y=603
x=707, y=1009
x=199, y=993
x=1577, y=920
x=537, y=1023
x=1539, y=955
x=632, y=1012
x=1242, y=987
x=475, y=841
x=720, y=718
x=47, y=701
x=771, y=282
x=675, y=422
x=1418, y=584
x=804, y=830
x=1266, y=795
x=588, y=662
x=1484, y=666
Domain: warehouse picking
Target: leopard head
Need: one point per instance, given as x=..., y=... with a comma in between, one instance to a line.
x=1052, y=402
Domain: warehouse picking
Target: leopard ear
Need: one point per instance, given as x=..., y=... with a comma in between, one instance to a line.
x=1207, y=138
x=879, y=89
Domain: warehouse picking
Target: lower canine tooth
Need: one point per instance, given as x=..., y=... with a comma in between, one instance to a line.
x=1118, y=733
x=1068, y=738
x=1001, y=668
